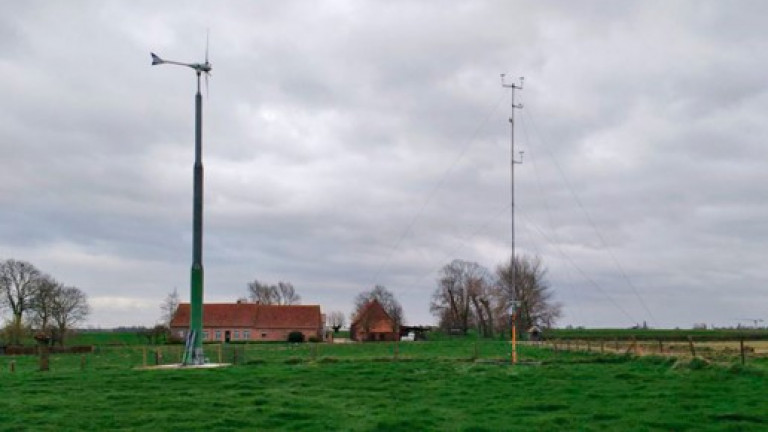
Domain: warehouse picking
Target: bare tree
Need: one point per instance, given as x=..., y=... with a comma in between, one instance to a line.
x=156, y=335
x=18, y=282
x=336, y=320
x=70, y=307
x=41, y=304
x=286, y=294
x=281, y=294
x=387, y=300
x=261, y=293
x=168, y=307
x=531, y=291
x=481, y=290
x=464, y=297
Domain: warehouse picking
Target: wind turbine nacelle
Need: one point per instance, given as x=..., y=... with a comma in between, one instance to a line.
x=156, y=60
x=202, y=67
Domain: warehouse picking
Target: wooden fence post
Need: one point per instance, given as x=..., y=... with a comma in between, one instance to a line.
x=693, y=348
x=741, y=347
x=661, y=347
x=13, y=366
x=220, y=345
x=82, y=362
x=396, y=350
x=632, y=347
x=144, y=356
x=602, y=346
x=44, y=351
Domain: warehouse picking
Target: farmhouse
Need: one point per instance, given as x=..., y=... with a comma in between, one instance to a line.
x=373, y=323
x=228, y=322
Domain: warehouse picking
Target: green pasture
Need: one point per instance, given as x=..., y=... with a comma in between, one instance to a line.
x=106, y=338
x=460, y=385
x=132, y=356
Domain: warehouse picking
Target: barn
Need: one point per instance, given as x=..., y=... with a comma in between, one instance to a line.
x=373, y=323
x=229, y=322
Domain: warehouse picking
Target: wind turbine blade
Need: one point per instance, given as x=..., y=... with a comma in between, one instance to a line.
x=207, y=95
x=156, y=60
x=207, y=34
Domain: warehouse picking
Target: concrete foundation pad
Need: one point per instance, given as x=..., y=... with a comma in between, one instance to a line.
x=182, y=366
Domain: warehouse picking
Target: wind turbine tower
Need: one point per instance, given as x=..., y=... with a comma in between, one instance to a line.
x=193, y=354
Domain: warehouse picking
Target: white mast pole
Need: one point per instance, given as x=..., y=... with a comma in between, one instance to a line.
x=512, y=164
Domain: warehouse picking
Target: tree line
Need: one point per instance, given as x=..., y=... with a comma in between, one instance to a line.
x=469, y=295
x=38, y=303
x=284, y=293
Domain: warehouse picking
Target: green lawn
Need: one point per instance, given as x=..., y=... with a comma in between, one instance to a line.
x=432, y=386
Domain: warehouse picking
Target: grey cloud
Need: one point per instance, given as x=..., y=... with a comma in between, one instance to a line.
x=329, y=126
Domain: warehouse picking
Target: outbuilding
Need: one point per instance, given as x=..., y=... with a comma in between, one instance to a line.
x=373, y=323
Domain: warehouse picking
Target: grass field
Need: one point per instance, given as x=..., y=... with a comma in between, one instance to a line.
x=431, y=386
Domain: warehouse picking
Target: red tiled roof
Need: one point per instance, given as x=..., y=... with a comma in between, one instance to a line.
x=288, y=316
x=378, y=320
x=252, y=315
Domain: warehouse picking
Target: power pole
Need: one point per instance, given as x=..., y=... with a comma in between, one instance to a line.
x=512, y=164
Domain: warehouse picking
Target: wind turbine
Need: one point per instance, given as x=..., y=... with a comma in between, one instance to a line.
x=193, y=354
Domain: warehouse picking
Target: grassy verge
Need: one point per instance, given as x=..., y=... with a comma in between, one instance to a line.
x=657, y=334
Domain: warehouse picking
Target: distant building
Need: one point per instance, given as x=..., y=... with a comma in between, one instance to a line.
x=534, y=333
x=373, y=323
x=229, y=322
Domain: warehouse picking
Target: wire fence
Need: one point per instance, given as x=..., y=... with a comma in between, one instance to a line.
x=740, y=350
x=546, y=352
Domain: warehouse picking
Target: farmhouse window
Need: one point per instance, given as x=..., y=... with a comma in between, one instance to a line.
x=237, y=334
x=246, y=334
x=218, y=335
x=205, y=335
x=263, y=335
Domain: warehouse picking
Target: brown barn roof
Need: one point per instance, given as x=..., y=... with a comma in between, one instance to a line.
x=251, y=315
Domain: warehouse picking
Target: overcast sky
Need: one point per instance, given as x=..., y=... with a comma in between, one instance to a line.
x=353, y=143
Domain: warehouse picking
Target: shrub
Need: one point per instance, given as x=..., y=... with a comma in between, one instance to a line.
x=296, y=337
